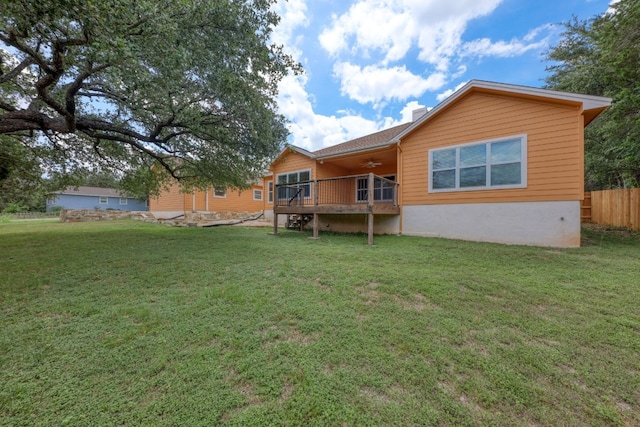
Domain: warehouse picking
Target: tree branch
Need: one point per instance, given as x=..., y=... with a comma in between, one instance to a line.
x=17, y=70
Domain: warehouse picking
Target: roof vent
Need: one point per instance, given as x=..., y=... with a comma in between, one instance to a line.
x=416, y=114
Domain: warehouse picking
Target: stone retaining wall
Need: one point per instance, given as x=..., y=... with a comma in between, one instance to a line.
x=205, y=216
x=85, y=215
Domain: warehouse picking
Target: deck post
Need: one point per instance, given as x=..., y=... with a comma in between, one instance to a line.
x=315, y=225
x=370, y=199
x=275, y=222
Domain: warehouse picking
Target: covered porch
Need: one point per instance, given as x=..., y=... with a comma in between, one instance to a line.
x=366, y=194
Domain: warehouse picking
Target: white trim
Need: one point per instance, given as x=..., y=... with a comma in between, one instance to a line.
x=106, y=200
x=123, y=199
x=255, y=190
x=270, y=191
x=523, y=166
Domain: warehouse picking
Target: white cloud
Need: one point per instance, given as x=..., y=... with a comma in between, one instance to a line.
x=435, y=26
x=373, y=84
x=447, y=93
x=515, y=47
x=314, y=131
x=293, y=14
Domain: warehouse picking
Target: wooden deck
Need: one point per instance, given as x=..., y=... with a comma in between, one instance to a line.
x=357, y=194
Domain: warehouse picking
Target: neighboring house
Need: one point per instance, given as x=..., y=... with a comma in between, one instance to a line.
x=95, y=198
x=172, y=202
x=493, y=162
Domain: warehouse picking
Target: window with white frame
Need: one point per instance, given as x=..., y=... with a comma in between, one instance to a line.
x=257, y=194
x=485, y=165
x=123, y=200
x=293, y=184
x=220, y=192
x=382, y=189
x=270, y=191
x=103, y=200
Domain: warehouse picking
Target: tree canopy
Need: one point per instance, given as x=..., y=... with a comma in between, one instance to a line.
x=134, y=87
x=601, y=56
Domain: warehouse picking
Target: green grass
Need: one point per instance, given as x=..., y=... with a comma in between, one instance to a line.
x=127, y=323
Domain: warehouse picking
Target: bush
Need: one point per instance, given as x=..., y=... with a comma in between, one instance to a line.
x=14, y=207
x=56, y=209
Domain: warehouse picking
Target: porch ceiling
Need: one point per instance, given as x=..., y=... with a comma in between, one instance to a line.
x=358, y=162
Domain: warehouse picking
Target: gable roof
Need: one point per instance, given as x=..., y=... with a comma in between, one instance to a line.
x=367, y=142
x=92, y=191
x=591, y=105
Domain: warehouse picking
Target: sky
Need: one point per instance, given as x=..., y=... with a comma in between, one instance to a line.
x=369, y=63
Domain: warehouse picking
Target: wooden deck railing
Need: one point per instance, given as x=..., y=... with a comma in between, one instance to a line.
x=353, y=190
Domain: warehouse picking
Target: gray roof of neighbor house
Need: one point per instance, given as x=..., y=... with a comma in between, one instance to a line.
x=92, y=191
x=366, y=142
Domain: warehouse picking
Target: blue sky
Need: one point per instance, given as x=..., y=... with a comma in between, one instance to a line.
x=369, y=63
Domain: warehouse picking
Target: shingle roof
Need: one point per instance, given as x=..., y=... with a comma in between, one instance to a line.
x=364, y=142
x=92, y=191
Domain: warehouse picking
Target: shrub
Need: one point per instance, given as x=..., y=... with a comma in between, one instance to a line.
x=14, y=207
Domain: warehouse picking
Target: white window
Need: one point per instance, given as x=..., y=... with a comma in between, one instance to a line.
x=294, y=183
x=123, y=200
x=257, y=194
x=382, y=190
x=485, y=165
x=103, y=200
x=270, y=191
x=219, y=192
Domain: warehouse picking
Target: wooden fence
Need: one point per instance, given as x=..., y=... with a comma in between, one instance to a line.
x=620, y=208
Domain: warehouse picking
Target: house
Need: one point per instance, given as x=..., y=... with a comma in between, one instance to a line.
x=217, y=202
x=95, y=198
x=493, y=162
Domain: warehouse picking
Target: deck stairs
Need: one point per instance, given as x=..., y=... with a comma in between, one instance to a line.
x=298, y=221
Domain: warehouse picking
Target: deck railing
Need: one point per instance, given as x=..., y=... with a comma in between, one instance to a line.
x=338, y=191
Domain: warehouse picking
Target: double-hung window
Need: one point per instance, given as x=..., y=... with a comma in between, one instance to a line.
x=293, y=184
x=382, y=189
x=257, y=194
x=495, y=164
x=270, y=191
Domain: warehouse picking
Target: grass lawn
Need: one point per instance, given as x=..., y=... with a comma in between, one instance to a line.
x=127, y=323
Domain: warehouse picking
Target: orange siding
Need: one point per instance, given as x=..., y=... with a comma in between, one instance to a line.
x=170, y=200
x=236, y=201
x=554, y=148
x=291, y=162
x=328, y=170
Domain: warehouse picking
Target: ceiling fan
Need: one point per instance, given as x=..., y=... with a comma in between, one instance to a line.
x=370, y=164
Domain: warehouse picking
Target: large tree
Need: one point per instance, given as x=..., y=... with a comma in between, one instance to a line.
x=186, y=87
x=601, y=56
